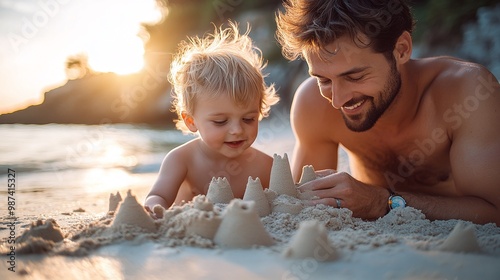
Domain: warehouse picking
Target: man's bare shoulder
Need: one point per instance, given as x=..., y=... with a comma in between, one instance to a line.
x=450, y=78
x=311, y=112
x=454, y=86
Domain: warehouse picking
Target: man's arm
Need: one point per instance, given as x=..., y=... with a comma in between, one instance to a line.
x=312, y=126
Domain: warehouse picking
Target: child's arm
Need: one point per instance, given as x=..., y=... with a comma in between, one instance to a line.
x=172, y=173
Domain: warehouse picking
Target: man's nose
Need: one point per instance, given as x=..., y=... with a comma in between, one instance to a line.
x=340, y=95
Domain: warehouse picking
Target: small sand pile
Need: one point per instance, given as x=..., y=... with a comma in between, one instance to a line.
x=462, y=239
x=311, y=241
x=47, y=230
x=41, y=237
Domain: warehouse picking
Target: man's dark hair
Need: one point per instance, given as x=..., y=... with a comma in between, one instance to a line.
x=311, y=25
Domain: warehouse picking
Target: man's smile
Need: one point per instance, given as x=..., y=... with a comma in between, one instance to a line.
x=350, y=108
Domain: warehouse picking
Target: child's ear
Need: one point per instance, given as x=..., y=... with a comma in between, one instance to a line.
x=189, y=121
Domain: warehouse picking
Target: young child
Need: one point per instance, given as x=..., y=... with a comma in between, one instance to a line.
x=219, y=94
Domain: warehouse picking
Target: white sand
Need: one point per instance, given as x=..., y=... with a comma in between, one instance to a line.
x=401, y=245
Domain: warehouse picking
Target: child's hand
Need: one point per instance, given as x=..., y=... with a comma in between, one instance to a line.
x=150, y=212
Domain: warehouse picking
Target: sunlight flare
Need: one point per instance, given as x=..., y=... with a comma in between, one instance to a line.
x=114, y=44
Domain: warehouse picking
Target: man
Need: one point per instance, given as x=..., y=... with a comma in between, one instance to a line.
x=418, y=132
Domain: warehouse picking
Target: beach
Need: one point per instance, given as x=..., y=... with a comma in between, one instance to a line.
x=67, y=173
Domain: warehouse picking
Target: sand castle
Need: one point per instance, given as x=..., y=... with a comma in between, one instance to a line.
x=114, y=201
x=311, y=241
x=48, y=230
x=281, y=180
x=241, y=227
x=462, y=239
x=308, y=174
x=130, y=212
x=255, y=192
x=206, y=221
x=219, y=191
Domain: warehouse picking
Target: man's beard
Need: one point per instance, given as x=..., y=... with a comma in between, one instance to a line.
x=360, y=123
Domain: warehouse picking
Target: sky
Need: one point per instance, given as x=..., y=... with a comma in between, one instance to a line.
x=37, y=36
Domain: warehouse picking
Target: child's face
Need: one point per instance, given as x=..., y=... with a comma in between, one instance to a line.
x=224, y=126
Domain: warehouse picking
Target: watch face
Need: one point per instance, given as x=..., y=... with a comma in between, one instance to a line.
x=397, y=202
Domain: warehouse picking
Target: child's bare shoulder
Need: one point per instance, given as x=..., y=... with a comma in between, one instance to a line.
x=260, y=156
x=183, y=152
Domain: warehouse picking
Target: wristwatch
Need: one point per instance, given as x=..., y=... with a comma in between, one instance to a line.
x=395, y=201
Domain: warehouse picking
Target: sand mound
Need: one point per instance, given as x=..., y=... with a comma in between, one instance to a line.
x=311, y=241
x=241, y=227
x=47, y=230
x=462, y=239
x=41, y=237
x=131, y=213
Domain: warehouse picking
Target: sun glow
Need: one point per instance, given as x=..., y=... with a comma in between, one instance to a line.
x=39, y=36
x=112, y=41
x=120, y=55
x=106, y=180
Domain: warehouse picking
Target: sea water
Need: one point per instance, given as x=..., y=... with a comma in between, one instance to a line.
x=58, y=163
x=71, y=166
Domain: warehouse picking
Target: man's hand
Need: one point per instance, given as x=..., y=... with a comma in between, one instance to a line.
x=365, y=201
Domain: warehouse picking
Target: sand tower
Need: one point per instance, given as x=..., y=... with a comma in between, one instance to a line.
x=308, y=174
x=281, y=180
x=219, y=191
x=241, y=227
x=114, y=201
x=254, y=192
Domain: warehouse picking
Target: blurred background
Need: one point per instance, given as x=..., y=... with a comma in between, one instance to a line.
x=95, y=62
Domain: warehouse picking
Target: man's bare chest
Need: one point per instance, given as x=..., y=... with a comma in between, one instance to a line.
x=413, y=162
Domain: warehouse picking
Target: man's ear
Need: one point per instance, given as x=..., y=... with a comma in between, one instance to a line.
x=403, y=48
x=189, y=121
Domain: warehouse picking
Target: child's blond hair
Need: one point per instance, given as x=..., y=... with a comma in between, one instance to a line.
x=221, y=63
